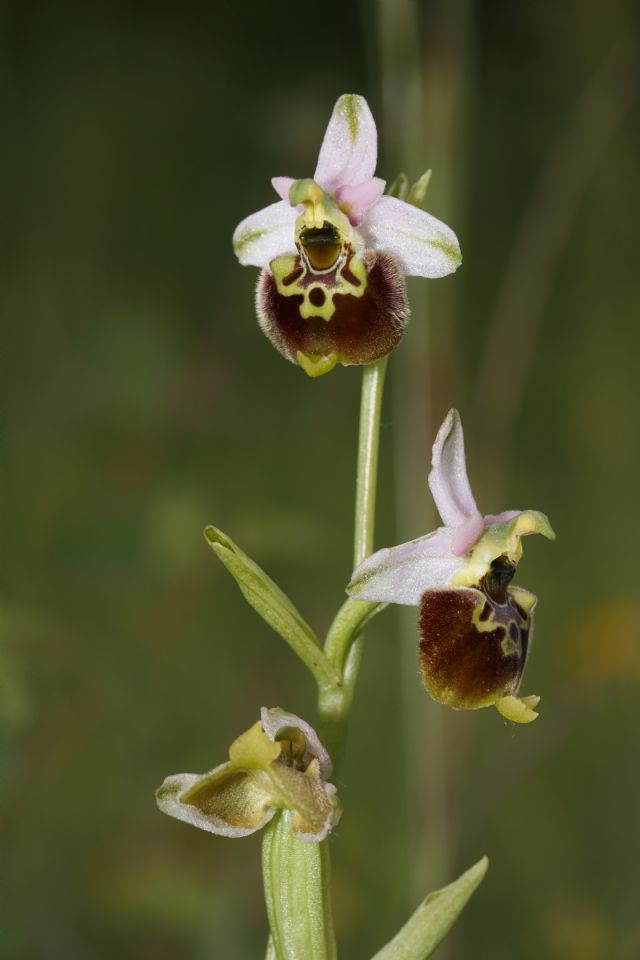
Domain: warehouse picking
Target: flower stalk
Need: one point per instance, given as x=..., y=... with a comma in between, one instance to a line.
x=297, y=893
x=291, y=870
x=373, y=377
x=343, y=645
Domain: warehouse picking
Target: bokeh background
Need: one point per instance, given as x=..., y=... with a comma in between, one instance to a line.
x=139, y=401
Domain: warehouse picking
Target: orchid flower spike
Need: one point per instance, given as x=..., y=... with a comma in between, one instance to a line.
x=334, y=252
x=278, y=764
x=475, y=628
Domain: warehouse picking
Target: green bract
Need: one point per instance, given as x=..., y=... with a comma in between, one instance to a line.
x=433, y=919
x=273, y=605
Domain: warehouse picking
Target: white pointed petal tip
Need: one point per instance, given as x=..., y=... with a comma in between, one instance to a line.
x=402, y=574
x=282, y=185
x=449, y=482
x=423, y=245
x=265, y=235
x=349, y=149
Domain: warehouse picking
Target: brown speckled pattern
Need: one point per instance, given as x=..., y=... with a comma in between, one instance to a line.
x=362, y=330
x=462, y=664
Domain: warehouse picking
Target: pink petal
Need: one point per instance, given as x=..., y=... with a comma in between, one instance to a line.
x=402, y=574
x=424, y=246
x=448, y=478
x=349, y=150
x=466, y=535
x=356, y=200
x=265, y=235
x=281, y=186
x=504, y=517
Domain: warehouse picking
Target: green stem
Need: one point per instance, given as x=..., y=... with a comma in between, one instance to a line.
x=343, y=646
x=368, y=444
x=297, y=893
x=349, y=621
x=296, y=874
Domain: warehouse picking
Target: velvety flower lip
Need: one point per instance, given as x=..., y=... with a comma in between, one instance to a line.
x=459, y=553
x=475, y=627
x=278, y=764
x=421, y=244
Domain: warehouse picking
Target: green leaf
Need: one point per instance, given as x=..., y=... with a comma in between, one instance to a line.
x=418, y=191
x=433, y=919
x=273, y=605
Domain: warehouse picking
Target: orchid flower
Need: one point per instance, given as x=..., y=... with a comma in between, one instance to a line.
x=334, y=252
x=475, y=628
x=278, y=764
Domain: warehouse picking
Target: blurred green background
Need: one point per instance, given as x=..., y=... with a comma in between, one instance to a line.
x=139, y=401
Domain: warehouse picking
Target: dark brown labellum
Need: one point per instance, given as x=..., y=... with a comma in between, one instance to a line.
x=354, y=311
x=473, y=648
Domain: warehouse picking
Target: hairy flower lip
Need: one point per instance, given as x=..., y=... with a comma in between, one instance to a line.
x=363, y=320
x=473, y=649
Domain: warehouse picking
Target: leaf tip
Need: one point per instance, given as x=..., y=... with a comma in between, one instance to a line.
x=216, y=538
